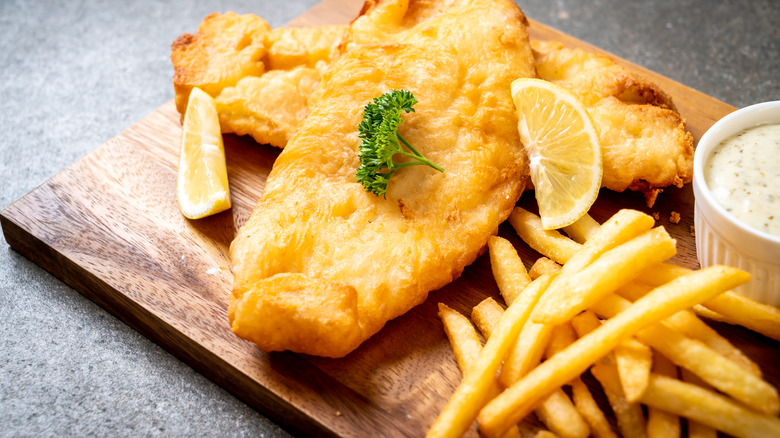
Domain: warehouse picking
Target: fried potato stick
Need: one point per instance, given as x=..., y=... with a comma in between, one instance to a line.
x=486, y=315
x=696, y=429
x=508, y=269
x=517, y=401
x=710, y=366
x=634, y=361
x=662, y=424
x=623, y=226
x=603, y=276
x=557, y=411
x=628, y=414
x=549, y=243
x=687, y=323
x=582, y=228
x=729, y=306
x=732, y=307
x=587, y=407
x=708, y=407
x=543, y=265
x=466, y=347
x=630, y=419
x=526, y=353
x=474, y=390
x=463, y=338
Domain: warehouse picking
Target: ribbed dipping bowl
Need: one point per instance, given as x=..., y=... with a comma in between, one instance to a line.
x=720, y=237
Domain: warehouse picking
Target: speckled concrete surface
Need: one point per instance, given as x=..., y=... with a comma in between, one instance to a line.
x=74, y=74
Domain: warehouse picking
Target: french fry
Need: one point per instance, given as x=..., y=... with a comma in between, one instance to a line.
x=508, y=269
x=562, y=336
x=585, y=323
x=526, y=352
x=662, y=424
x=543, y=265
x=732, y=307
x=741, y=310
x=545, y=434
x=474, y=390
x=549, y=243
x=634, y=361
x=729, y=306
x=582, y=228
x=517, y=401
x=462, y=336
x=708, y=407
x=486, y=315
x=712, y=367
x=689, y=324
x=614, y=268
x=557, y=411
x=622, y=227
x=707, y=313
x=466, y=347
x=628, y=414
x=630, y=419
x=696, y=429
x=590, y=411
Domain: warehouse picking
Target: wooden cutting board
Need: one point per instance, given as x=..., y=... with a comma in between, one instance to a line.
x=110, y=228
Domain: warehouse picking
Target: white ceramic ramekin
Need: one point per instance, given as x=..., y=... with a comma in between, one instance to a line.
x=720, y=237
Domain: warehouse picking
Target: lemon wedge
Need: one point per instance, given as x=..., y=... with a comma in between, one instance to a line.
x=563, y=146
x=202, y=182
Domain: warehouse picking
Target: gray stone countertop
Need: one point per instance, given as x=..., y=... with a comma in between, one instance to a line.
x=75, y=74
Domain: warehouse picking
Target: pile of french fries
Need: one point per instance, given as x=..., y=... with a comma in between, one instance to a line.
x=603, y=301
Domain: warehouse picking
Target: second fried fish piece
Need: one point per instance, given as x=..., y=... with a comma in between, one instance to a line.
x=261, y=79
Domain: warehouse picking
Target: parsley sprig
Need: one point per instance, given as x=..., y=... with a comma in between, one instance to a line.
x=381, y=142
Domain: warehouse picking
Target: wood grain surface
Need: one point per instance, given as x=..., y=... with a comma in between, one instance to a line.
x=109, y=227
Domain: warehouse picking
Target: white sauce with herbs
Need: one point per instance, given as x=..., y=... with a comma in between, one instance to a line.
x=743, y=173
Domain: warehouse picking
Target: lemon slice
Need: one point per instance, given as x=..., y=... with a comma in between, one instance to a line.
x=563, y=147
x=202, y=183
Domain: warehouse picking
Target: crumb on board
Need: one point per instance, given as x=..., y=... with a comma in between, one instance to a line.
x=674, y=217
x=338, y=413
x=657, y=216
x=693, y=231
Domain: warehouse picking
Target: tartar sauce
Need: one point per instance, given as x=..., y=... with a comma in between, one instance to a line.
x=743, y=173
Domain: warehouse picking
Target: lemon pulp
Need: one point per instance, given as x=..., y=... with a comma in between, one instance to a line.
x=563, y=147
x=202, y=183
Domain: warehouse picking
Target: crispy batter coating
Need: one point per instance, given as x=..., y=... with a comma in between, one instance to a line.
x=261, y=79
x=321, y=265
x=645, y=145
x=226, y=48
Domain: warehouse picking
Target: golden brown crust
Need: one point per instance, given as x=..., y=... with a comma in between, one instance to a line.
x=315, y=222
x=248, y=68
x=226, y=48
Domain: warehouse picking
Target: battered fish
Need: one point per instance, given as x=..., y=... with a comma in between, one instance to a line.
x=644, y=144
x=321, y=265
x=261, y=79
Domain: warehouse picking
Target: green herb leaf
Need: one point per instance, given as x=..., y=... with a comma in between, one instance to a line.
x=380, y=141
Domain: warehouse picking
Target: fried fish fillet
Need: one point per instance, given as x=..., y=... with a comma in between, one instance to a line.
x=321, y=265
x=645, y=145
x=261, y=79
